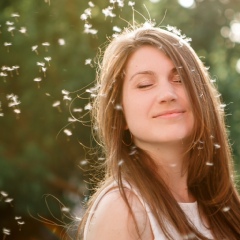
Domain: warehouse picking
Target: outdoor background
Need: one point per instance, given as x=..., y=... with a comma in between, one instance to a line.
x=47, y=51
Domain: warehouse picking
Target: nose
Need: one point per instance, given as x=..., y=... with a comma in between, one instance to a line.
x=166, y=92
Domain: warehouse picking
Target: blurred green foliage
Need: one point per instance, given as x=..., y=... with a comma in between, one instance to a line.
x=36, y=156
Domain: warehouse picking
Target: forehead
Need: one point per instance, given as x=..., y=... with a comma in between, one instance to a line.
x=147, y=57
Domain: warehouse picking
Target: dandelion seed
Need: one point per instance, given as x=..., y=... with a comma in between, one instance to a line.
x=48, y=59
x=65, y=209
x=16, y=16
x=4, y=194
x=67, y=132
x=38, y=80
x=118, y=107
x=42, y=64
x=7, y=44
x=44, y=69
x=84, y=162
x=9, y=23
x=6, y=231
x=61, y=41
x=101, y=159
x=72, y=119
x=66, y=97
x=209, y=163
x=46, y=45
x=1, y=114
x=20, y=224
x=16, y=69
x=226, y=209
x=117, y=29
x=91, y=4
x=77, y=110
x=11, y=29
x=108, y=12
x=88, y=61
x=120, y=163
x=88, y=107
x=83, y=17
x=18, y=218
x=17, y=111
x=131, y=4
x=23, y=30
x=216, y=145
x=34, y=49
x=8, y=200
x=57, y=105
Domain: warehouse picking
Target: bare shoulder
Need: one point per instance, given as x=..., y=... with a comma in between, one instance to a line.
x=112, y=220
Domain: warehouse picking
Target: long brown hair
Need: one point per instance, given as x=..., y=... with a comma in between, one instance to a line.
x=210, y=166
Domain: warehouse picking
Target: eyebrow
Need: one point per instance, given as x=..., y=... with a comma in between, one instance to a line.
x=142, y=72
x=147, y=72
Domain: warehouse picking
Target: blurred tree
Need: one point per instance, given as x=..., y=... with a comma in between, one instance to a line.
x=47, y=51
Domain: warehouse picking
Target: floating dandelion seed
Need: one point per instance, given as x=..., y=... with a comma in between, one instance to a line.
x=20, y=224
x=23, y=30
x=216, y=145
x=88, y=61
x=66, y=97
x=16, y=69
x=44, y=69
x=118, y=107
x=6, y=232
x=120, y=163
x=46, y=45
x=17, y=111
x=117, y=29
x=91, y=4
x=88, y=107
x=4, y=194
x=226, y=209
x=61, y=41
x=38, y=80
x=11, y=29
x=48, y=59
x=9, y=200
x=67, y=132
x=57, y=105
x=84, y=162
x=77, y=110
x=14, y=99
x=65, y=92
x=18, y=218
x=34, y=49
x=9, y=23
x=83, y=17
x=16, y=16
x=131, y=4
x=108, y=12
x=72, y=119
x=65, y=209
x=7, y=44
x=209, y=163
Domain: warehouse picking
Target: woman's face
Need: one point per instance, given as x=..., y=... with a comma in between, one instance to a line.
x=155, y=102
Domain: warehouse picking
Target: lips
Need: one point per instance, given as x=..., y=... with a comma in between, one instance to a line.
x=169, y=113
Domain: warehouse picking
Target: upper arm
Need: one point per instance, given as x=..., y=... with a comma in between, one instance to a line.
x=112, y=220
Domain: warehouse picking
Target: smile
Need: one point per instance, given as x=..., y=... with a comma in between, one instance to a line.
x=170, y=114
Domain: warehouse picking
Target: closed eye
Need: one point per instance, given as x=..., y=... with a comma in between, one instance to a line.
x=144, y=86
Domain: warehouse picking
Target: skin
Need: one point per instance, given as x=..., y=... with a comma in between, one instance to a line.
x=159, y=116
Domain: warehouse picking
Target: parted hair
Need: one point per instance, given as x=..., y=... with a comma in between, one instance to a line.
x=209, y=165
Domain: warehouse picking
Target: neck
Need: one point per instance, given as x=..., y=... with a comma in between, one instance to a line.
x=170, y=161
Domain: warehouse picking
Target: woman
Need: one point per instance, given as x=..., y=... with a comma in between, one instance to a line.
x=169, y=172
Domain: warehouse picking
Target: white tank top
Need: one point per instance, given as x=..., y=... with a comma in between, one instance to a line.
x=190, y=210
